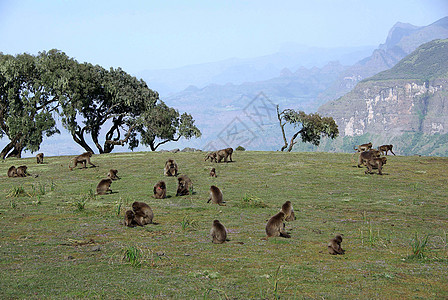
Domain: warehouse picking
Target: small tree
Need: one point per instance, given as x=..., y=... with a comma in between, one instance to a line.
x=163, y=124
x=310, y=127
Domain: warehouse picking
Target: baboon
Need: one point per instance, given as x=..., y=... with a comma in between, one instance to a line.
x=160, y=190
x=143, y=213
x=40, y=158
x=213, y=172
x=129, y=219
x=224, y=153
x=21, y=171
x=12, y=172
x=83, y=158
x=184, y=185
x=170, y=168
x=334, y=246
x=276, y=226
x=104, y=186
x=113, y=174
x=211, y=156
x=216, y=196
x=218, y=232
x=363, y=147
x=366, y=155
x=384, y=148
x=288, y=211
x=376, y=163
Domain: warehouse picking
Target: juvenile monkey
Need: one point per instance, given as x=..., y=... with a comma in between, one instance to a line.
x=143, y=213
x=363, y=147
x=367, y=155
x=376, y=163
x=218, y=232
x=12, y=172
x=113, y=174
x=21, y=171
x=213, y=172
x=160, y=190
x=40, y=158
x=211, y=156
x=288, y=210
x=184, y=185
x=170, y=168
x=276, y=226
x=334, y=246
x=216, y=196
x=104, y=186
x=384, y=148
x=129, y=219
x=83, y=158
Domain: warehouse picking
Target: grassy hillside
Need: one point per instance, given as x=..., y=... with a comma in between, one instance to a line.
x=51, y=247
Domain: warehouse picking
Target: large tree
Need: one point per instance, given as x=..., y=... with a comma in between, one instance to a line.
x=310, y=127
x=163, y=124
x=26, y=106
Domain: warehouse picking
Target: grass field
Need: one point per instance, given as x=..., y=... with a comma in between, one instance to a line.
x=57, y=240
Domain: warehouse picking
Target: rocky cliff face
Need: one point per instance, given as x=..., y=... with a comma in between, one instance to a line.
x=392, y=108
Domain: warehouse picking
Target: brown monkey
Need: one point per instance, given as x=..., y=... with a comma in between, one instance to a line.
x=113, y=174
x=160, y=190
x=366, y=155
x=83, y=158
x=40, y=158
x=376, y=163
x=104, y=186
x=143, y=213
x=213, y=172
x=224, y=153
x=170, y=168
x=12, y=172
x=21, y=171
x=218, y=233
x=184, y=185
x=363, y=147
x=216, y=196
x=289, y=211
x=211, y=156
x=334, y=246
x=384, y=148
x=276, y=226
x=129, y=219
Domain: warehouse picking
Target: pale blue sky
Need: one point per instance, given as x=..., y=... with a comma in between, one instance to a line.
x=138, y=35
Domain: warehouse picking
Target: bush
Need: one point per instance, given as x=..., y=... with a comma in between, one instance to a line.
x=240, y=148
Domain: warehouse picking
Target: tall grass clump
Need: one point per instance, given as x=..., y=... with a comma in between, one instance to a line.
x=419, y=247
x=187, y=222
x=16, y=191
x=133, y=255
x=251, y=201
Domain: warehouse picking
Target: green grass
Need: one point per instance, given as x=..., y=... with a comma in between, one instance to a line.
x=51, y=249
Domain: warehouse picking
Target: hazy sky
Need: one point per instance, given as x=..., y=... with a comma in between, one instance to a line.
x=138, y=35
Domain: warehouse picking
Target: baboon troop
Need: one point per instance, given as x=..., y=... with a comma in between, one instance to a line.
x=385, y=148
x=219, y=155
x=276, y=226
x=216, y=196
x=376, y=163
x=288, y=211
x=142, y=213
x=184, y=185
x=213, y=172
x=170, y=168
x=160, y=190
x=103, y=186
x=83, y=158
x=334, y=246
x=40, y=158
x=218, y=232
x=113, y=174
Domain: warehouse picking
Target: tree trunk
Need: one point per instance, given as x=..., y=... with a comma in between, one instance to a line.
x=17, y=151
x=78, y=137
x=282, y=127
x=292, y=143
x=8, y=147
